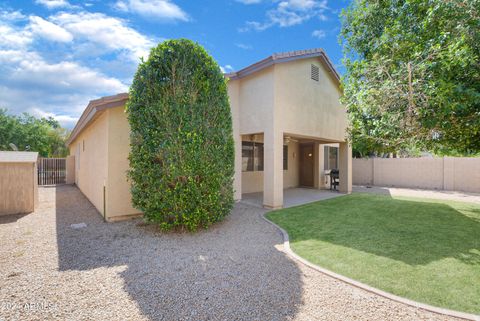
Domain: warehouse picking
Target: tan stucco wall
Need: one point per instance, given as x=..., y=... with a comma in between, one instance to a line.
x=255, y=101
x=409, y=172
x=362, y=171
x=252, y=182
x=278, y=100
x=70, y=164
x=233, y=93
x=118, y=189
x=105, y=162
x=448, y=173
x=283, y=100
x=92, y=162
x=466, y=174
x=307, y=107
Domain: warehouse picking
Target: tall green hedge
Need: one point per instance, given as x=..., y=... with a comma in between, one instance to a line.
x=182, y=151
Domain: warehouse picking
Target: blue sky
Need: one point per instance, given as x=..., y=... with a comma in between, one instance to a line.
x=56, y=55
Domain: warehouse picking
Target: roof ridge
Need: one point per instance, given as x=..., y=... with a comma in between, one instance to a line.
x=284, y=57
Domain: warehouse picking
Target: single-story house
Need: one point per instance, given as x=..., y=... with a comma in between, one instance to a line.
x=18, y=182
x=288, y=126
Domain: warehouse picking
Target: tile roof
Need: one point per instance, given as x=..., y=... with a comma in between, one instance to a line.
x=95, y=107
x=93, y=110
x=285, y=57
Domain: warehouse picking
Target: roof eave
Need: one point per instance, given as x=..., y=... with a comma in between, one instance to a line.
x=93, y=110
x=282, y=58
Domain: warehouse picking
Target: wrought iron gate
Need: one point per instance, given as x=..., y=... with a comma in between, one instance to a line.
x=52, y=171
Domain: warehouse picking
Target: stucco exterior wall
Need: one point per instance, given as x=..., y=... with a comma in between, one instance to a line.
x=70, y=163
x=283, y=100
x=252, y=182
x=91, y=156
x=119, y=200
x=233, y=94
x=273, y=100
x=255, y=101
x=308, y=107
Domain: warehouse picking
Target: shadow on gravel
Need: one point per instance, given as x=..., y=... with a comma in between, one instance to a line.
x=11, y=218
x=231, y=271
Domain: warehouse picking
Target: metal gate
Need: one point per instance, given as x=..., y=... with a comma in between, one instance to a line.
x=52, y=171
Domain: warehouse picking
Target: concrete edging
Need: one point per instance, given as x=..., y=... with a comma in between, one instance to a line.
x=415, y=304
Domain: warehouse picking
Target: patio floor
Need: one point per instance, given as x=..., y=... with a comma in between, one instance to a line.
x=292, y=196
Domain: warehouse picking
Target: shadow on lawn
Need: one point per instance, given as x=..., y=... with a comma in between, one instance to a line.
x=223, y=273
x=415, y=233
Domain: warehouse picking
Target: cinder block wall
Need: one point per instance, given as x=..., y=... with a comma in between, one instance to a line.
x=447, y=173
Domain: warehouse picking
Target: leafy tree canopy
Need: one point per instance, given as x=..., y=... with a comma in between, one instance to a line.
x=182, y=153
x=413, y=75
x=42, y=135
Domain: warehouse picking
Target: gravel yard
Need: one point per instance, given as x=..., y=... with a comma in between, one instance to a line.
x=126, y=271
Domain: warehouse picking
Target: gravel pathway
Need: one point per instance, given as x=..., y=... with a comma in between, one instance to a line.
x=126, y=271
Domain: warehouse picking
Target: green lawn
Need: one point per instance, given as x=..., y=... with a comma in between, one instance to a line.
x=425, y=250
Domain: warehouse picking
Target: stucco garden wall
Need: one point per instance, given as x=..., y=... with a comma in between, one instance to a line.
x=448, y=173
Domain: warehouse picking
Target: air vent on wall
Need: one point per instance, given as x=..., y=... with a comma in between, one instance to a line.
x=315, y=73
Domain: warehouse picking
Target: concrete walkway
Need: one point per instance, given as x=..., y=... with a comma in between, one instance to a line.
x=292, y=197
x=420, y=193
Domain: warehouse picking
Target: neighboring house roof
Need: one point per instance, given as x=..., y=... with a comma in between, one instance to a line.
x=18, y=157
x=94, y=109
x=286, y=57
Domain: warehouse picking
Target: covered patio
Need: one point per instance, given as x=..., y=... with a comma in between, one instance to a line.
x=292, y=170
x=292, y=197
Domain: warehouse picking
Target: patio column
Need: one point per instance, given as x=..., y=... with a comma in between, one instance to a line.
x=345, y=167
x=273, y=169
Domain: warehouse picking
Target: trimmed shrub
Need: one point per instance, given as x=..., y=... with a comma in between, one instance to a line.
x=182, y=151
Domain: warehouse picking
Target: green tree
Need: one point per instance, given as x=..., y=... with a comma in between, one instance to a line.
x=44, y=135
x=413, y=75
x=182, y=152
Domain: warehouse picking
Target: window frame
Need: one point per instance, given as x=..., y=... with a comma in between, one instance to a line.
x=326, y=158
x=256, y=163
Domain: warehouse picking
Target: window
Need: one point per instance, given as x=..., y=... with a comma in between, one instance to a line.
x=330, y=157
x=252, y=156
x=314, y=73
x=285, y=157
